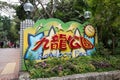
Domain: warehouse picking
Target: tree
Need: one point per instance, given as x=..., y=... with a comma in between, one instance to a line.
x=8, y=28
x=5, y=27
x=36, y=14
x=106, y=16
x=67, y=10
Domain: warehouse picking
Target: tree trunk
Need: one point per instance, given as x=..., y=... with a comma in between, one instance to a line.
x=113, y=45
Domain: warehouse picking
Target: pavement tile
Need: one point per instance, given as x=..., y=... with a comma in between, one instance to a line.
x=9, y=68
x=9, y=63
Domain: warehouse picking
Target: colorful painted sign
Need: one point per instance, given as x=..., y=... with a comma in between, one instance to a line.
x=54, y=38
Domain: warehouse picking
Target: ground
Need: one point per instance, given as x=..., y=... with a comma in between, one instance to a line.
x=9, y=63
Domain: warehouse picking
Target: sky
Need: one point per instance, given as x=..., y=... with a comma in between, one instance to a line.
x=11, y=1
x=9, y=12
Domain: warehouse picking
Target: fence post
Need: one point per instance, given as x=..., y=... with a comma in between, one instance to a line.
x=23, y=25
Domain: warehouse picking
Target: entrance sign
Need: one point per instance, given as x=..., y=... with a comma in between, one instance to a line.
x=54, y=38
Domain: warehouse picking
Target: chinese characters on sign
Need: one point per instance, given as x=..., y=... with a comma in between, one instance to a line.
x=60, y=42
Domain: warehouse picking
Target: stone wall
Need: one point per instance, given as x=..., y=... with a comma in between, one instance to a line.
x=111, y=75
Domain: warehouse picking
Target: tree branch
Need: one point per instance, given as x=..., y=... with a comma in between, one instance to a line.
x=49, y=15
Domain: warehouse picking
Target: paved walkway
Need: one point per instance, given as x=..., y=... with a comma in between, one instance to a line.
x=9, y=63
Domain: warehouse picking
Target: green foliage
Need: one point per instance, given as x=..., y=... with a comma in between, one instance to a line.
x=70, y=10
x=101, y=50
x=35, y=15
x=8, y=30
x=23, y=67
x=30, y=62
x=62, y=67
x=117, y=49
x=114, y=61
x=20, y=12
x=14, y=31
x=105, y=16
x=4, y=27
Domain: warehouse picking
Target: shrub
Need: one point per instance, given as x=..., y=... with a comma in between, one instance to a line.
x=101, y=50
x=61, y=67
x=114, y=61
x=101, y=64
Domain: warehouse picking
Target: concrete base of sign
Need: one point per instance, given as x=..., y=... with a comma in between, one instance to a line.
x=111, y=75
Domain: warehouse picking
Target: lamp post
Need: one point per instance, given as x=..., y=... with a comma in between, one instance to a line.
x=87, y=14
x=28, y=7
